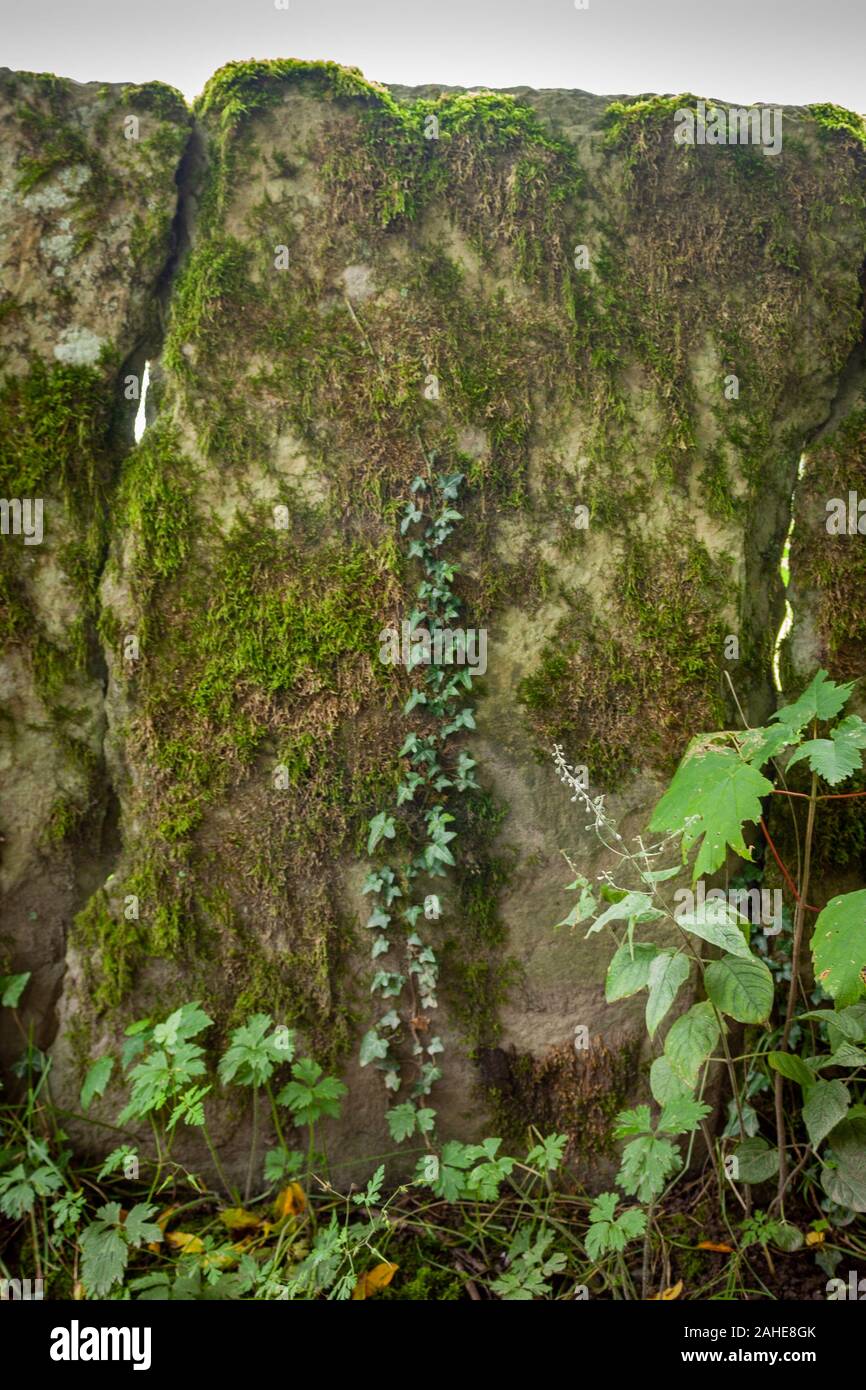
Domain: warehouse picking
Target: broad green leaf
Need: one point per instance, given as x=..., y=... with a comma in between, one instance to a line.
x=755, y=1161
x=664, y=1083
x=849, y=1023
x=96, y=1080
x=713, y=793
x=741, y=988
x=839, y=947
x=825, y=1106
x=666, y=974
x=628, y=971
x=822, y=699
x=846, y=1055
x=717, y=922
x=691, y=1041
x=583, y=908
x=787, y=1236
x=838, y=756
x=758, y=746
x=791, y=1066
x=11, y=989
x=843, y=1176
x=634, y=906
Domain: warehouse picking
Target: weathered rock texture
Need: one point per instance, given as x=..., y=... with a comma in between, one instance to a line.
x=339, y=258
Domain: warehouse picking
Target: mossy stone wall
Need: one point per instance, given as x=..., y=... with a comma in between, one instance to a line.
x=368, y=279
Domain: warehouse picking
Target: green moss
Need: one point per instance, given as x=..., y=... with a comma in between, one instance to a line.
x=838, y=118
x=626, y=120
x=620, y=696
x=563, y=1091
x=163, y=101
x=478, y=975
x=155, y=503
x=833, y=567
x=109, y=949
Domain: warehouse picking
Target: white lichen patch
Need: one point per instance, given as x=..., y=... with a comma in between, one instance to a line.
x=60, y=247
x=80, y=347
x=58, y=191
x=359, y=283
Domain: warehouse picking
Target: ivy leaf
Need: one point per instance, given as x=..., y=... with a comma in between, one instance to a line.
x=712, y=795
x=691, y=1041
x=373, y=1048
x=838, y=756
x=826, y=1105
x=666, y=974
x=741, y=988
x=402, y=1120
x=96, y=1080
x=822, y=699
x=839, y=947
x=381, y=827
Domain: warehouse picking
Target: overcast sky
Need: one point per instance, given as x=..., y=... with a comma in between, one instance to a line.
x=786, y=51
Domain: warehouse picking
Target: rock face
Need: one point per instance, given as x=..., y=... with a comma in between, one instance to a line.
x=623, y=345
x=87, y=202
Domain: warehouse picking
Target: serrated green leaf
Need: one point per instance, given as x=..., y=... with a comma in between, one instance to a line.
x=664, y=1082
x=667, y=973
x=839, y=947
x=681, y=1115
x=634, y=906
x=755, y=1161
x=822, y=699
x=838, y=756
x=628, y=971
x=825, y=1106
x=96, y=1080
x=717, y=922
x=647, y=1163
x=691, y=1041
x=843, y=1176
x=793, y=1067
x=741, y=988
x=712, y=795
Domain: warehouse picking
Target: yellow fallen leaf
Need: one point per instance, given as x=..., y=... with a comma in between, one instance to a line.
x=375, y=1279
x=715, y=1245
x=667, y=1294
x=185, y=1241
x=814, y=1237
x=220, y=1259
x=165, y=1216
x=290, y=1202
x=237, y=1219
